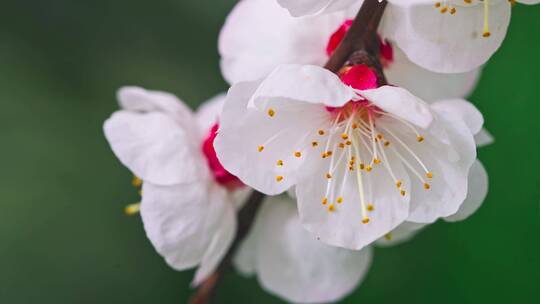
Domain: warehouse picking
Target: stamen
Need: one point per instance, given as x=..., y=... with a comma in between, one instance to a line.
x=365, y=220
x=132, y=209
x=314, y=144
x=339, y=200
x=486, y=19
x=321, y=132
x=408, y=149
x=331, y=207
x=271, y=112
x=297, y=154
x=279, y=163
x=279, y=178
x=370, y=207
x=325, y=201
x=136, y=182
x=260, y=148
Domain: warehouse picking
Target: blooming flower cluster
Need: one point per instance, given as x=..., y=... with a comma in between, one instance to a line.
x=365, y=156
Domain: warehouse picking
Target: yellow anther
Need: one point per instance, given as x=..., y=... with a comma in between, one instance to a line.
x=321, y=132
x=279, y=178
x=426, y=186
x=365, y=220
x=324, y=201
x=513, y=2
x=369, y=168
x=486, y=34
x=453, y=10
x=271, y=112
x=339, y=200
x=420, y=138
x=136, y=182
x=402, y=192
x=438, y=4
x=353, y=158
x=388, y=236
x=386, y=143
x=468, y=1
x=362, y=166
x=328, y=153
x=348, y=142
x=354, y=126
x=331, y=207
x=323, y=155
x=351, y=168
x=398, y=184
x=429, y=175
x=328, y=175
x=314, y=143
x=344, y=136
x=279, y=163
x=370, y=207
x=297, y=154
x=132, y=209
x=444, y=10
x=341, y=145
x=379, y=136
x=260, y=148
x=377, y=161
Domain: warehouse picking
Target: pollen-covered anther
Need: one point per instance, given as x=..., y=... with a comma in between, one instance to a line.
x=365, y=220
x=297, y=154
x=260, y=148
x=344, y=136
x=437, y=4
x=369, y=168
x=388, y=236
x=362, y=166
x=444, y=10
x=331, y=207
x=377, y=161
x=351, y=168
x=279, y=178
x=279, y=163
x=339, y=200
x=328, y=175
x=132, y=209
x=379, y=136
x=468, y=1
x=136, y=182
x=314, y=143
x=453, y=11
x=386, y=143
x=486, y=34
x=420, y=138
x=321, y=132
x=271, y=112
x=355, y=126
x=348, y=142
x=341, y=145
x=429, y=175
x=402, y=192
x=325, y=201
x=370, y=207
x=426, y=186
x=398, y=184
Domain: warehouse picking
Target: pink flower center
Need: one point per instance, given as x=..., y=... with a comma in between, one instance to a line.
x=387, y=52
x=222, y=176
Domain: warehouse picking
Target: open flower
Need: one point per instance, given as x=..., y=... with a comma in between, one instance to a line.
x=363, y=159
x=259, y=35
x=292, y=263
x=188, y=199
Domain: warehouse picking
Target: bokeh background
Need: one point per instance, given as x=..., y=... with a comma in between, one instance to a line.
x=64, y=237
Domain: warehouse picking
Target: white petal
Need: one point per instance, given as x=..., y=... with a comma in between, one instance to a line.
x=303, y=83
x=446, y=43
x=155, y=148
x=140, y=100
x=400, y=235
x=222, y=237
x=259, y=35
x=427, y=85
x=463, y=110
x=299, y=8
x=529, y=2
x=292, y=264
x=182, y=220
x=343, y=227
x=478, y=189
x=448, y=152
x=401, y=103
x=243, y=130
x=483, y=138
x=208, y=113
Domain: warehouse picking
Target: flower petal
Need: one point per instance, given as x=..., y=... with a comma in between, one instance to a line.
x=401, y=103
x=298, y=8
x=303, y=83
x=427, y=85
x=182, y=220
x=155, y=148
x=463, y=110
x=259, y=35
x=208, y=113
x=401, y=234
x=478, y=189
x=483, y=138
x=446, y=43
x=290, y=261
x=343, y=226
x=529, y=2
x=260, y=149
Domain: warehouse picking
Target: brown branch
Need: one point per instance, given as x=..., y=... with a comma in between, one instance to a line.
x=206, y=292
x=359, y=46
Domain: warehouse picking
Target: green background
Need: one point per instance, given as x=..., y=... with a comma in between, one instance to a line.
x=64, y=237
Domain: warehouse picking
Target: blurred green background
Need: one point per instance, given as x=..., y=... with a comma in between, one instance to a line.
x=64, y=237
